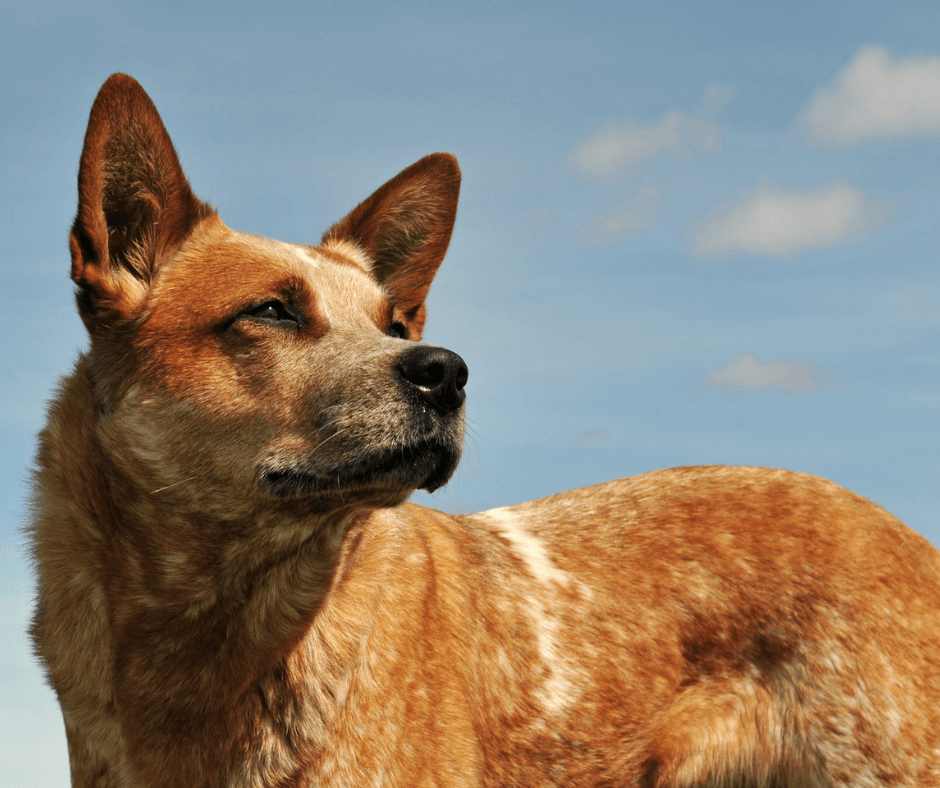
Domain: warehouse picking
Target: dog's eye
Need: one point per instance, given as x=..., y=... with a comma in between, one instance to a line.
x=271, y=312
x=398, y=330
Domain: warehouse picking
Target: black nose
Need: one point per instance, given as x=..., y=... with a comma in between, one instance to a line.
x=435, y=374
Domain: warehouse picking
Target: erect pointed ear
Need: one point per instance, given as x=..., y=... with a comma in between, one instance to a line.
x=134, y=203
x=404, y=228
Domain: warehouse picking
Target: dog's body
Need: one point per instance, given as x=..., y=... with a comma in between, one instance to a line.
x=233, y=593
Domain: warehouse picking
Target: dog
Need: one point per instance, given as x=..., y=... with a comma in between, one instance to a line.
x=233, y=590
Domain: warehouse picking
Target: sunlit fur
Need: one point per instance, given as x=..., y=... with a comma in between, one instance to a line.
x=233, y=593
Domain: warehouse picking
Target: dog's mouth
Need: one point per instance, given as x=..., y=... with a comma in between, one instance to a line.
x=427, y=466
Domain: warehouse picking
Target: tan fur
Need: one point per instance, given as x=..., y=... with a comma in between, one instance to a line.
x=232, y=591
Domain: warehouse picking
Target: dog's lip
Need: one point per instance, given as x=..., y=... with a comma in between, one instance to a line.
x=427, y=465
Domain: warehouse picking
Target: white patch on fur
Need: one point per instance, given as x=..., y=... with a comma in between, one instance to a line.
x=529, y=547
x=559, y=690
x=305, y=256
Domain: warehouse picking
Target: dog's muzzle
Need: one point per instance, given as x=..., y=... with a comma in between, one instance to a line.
x=427, y=448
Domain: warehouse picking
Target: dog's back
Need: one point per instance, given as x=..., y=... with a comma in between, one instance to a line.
x=733, y=625
x=660, y=630
x=233, y=593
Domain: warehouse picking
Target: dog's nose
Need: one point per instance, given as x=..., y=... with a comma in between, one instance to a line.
x=436, y=374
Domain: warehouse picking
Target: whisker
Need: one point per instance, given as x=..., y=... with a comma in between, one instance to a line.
x=181, y=481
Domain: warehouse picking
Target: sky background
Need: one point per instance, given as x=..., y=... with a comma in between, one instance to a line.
x=689, y=232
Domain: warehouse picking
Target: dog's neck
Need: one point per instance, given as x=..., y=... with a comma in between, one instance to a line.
x=226, y=614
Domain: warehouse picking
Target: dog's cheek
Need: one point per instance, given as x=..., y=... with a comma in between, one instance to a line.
x=178, y=458
x=231, y=375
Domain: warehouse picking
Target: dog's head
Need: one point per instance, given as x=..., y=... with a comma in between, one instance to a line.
x=229, y=367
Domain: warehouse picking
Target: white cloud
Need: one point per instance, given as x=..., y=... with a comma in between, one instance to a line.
x=876, y=97
x=795, y=377
x=623, y=146
x=627, y=221
x=618, y=146
x=780, y=223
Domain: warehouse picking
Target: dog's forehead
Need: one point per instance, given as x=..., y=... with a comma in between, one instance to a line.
x=339, y=277
x=269, y=251
x=249, y=266
x=312, y=261
x=342, y=283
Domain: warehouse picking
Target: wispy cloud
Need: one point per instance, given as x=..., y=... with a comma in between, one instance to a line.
x=626, y=221
x=716, y=96
x=876, y=97
x=620, y=147
x=781, y=223
x=795, y=377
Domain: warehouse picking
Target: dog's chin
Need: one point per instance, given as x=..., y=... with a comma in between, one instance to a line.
x=384, y=479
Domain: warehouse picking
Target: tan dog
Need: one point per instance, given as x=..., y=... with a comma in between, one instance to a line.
x=233, y=593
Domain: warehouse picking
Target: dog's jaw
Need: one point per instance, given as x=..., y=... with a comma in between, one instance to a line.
x=390, y=475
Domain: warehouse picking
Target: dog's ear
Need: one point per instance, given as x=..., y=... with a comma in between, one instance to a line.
x=404, y=228
x=134, y=203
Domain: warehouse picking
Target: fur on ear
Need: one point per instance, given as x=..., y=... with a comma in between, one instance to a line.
x=135, y=205
x=405, y=228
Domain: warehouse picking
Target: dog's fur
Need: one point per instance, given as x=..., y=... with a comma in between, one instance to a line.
x=232, y=591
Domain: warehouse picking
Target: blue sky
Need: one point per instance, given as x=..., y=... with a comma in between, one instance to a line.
x=689, y=232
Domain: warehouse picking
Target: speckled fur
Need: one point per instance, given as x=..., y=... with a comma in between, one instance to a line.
x=689, y=627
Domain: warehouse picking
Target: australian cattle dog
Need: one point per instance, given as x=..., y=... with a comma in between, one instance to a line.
x=234, y=592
